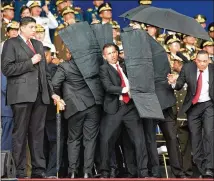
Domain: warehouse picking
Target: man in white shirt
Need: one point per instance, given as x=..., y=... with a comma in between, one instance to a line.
x=48, y=22
x=199, y=107
x=119, y=108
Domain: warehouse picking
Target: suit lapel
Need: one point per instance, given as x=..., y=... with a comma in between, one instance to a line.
x=193, y=73
x=37, y=49
x=210, y=67
x=113, y=71
x=29, y=52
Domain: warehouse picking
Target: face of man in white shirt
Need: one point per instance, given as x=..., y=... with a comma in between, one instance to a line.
x=110, y=54
x=202, y=61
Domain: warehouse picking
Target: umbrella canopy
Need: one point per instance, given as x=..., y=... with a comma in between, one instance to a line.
x=170, y=20
x=130, y=13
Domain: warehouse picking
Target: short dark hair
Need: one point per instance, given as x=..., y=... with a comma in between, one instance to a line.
x=107, y=45
x=23, y=8
x=26, y=20
x=46, y=49
x=202, y=52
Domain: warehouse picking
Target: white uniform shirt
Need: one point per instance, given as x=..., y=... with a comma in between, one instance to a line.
x=48, y=22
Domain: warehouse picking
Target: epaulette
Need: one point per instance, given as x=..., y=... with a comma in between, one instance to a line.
x=60, y=27
x=89, y=9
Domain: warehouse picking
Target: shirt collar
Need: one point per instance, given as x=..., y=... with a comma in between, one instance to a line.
x=203, y=71
x=24, y=39
x=190, y=47
x=7, y=20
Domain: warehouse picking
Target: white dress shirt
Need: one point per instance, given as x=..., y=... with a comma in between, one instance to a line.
x=124, y=78
x=204, y=96
x=48, y=23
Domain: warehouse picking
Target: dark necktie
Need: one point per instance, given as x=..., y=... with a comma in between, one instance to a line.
x=198, y=89
x=125, y=96
x=30, y=46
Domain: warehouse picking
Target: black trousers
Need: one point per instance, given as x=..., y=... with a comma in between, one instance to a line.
x=29, y=122
x=169, y=130
x=150, y=138
x=201, y=124
x=84, y=125
x=110, y=124
x=186, y=148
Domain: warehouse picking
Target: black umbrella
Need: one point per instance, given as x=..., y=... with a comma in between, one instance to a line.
x=128, y=14
x=170, y=20
x=58, y=133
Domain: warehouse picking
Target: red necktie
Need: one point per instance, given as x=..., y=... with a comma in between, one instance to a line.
x=30, y=46
x=125, y=96
x=198, y=89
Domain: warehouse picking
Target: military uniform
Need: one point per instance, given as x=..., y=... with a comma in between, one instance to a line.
x=208, y=43
x=191, y=50
x=211, y=30
x=12, y=25
x=92, y=14
x=5, y=21
x=201, y=19
x=169, y=40
x=48, y=22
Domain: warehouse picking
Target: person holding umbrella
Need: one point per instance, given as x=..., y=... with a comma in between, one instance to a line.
x=82, y=113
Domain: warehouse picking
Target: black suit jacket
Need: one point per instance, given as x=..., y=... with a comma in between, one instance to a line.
x=188, y=75
x=112, y=85
x=76, y=93
x=22, y=75
x=51, y=111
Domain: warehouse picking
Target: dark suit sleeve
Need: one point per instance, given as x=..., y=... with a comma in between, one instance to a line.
x=107, y=84
x=181, y=79
x=58, y=78
x=10, y=67
x=3, y=84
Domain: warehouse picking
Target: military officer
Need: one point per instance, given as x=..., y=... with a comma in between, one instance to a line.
x=57, y=8
x=201, y=19
x=183, y=130
x=105, y=13
x=208, y=46
x=116, y=32
x=8, y=15
x=68, y=15
x=190, y=47
x=211, y=30
x=77, y=10
x=173, y=45
x=11, y=31
x=48, y=22
x=92, y=13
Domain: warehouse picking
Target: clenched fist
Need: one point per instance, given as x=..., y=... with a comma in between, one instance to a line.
x=36, y=58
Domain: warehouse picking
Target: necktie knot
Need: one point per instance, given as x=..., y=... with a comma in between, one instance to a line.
x=30, y=46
